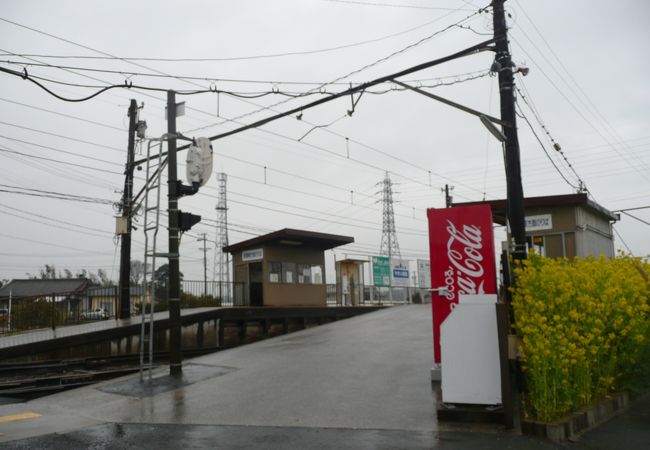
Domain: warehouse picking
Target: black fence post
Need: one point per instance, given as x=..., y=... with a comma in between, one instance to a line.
x=52, y=313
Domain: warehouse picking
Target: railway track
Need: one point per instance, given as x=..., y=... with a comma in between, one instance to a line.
x=35, y=378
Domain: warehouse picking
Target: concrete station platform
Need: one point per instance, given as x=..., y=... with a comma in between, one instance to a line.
x=362, y=382
x=33, y=338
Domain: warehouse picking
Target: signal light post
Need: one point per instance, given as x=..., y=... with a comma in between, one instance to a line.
x=175, y=351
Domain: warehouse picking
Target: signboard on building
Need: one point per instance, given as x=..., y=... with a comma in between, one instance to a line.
x=252, y=255
x=400, y=272
x=381, y=271
x=537, y=223
x=461, y=244
x=424, y=273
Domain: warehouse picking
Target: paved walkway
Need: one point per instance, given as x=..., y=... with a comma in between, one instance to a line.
x=357, y=383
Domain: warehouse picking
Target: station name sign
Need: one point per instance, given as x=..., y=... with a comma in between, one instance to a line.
x=252, y=255
x=537, y=223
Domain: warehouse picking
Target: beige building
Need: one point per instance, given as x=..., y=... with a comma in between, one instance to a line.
x=284, y=268
x=563, y=225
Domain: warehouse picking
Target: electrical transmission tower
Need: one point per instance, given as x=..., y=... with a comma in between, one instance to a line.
x=221, y=266
x=389, y=245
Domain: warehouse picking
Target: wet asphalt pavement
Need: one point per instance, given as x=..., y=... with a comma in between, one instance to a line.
x=361, y=383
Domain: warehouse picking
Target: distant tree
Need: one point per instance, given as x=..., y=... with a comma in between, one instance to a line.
x=103, y=278
x=137, y=272
x=83, y=273
x=161, y=275
x=48, y=273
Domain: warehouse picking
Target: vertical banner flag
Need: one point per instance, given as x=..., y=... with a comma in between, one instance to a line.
x=461, y=246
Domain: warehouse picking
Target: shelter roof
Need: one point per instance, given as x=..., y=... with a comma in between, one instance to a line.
x=499, y=209
x=293, y=238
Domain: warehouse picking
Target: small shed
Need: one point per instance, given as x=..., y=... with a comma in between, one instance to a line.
x=562, y=225
x=44, y=289
x=284, y=268
x=349, y=281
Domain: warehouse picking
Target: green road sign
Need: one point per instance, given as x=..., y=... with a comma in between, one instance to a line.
x=381, y=271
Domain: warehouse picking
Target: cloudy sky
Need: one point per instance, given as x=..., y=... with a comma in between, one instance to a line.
x=587, y=89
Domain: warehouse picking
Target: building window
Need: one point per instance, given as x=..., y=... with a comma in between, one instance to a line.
x=310, y=274
x=288, y=272
x=275, y=272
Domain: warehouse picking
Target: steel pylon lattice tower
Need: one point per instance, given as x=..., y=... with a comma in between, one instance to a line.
x=221, y=266
x=389, y=245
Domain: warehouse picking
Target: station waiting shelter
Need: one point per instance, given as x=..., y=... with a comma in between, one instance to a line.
x=562, y=225
x=284, y=268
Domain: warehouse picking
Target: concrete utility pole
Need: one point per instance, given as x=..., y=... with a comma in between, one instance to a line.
x=515, y=201
x=205, y=265
x=175, y=355
x=448, y=198
x=127, y=202
x=515, y=197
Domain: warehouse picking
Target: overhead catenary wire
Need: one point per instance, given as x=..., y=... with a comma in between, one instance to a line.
x=554, y=144
x=358, y=70
x=523, y=116
x=236, y=58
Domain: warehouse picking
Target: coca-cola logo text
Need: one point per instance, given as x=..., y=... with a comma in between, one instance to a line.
x=463, y=252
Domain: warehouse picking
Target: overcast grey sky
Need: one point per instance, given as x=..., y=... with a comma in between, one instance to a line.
x=588, y=83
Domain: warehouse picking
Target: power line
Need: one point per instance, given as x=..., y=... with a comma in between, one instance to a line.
x=62, y=136
x=631, y=209
x=587, y=102
x=308, y=209
x=622, y=240
x=61, y=114
x=345, y=76
x=55, y=220
x=319, y=219
x=76, y=176
x=636, y=218
x=523, y=116
x=54, y=225
x=308, y=194
x=393, y=5
x=554, y=144
x=52, y=194
x=60, y=151
x=580, y=113
x=57, y=161
x=50, y=244
x=235, y=58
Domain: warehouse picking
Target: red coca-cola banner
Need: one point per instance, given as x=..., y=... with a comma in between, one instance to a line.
x=461, y=246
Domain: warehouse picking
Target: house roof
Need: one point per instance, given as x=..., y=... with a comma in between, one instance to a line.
x=499, y=206
x=294, y=238
x=38, y=288
x=111, y=291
